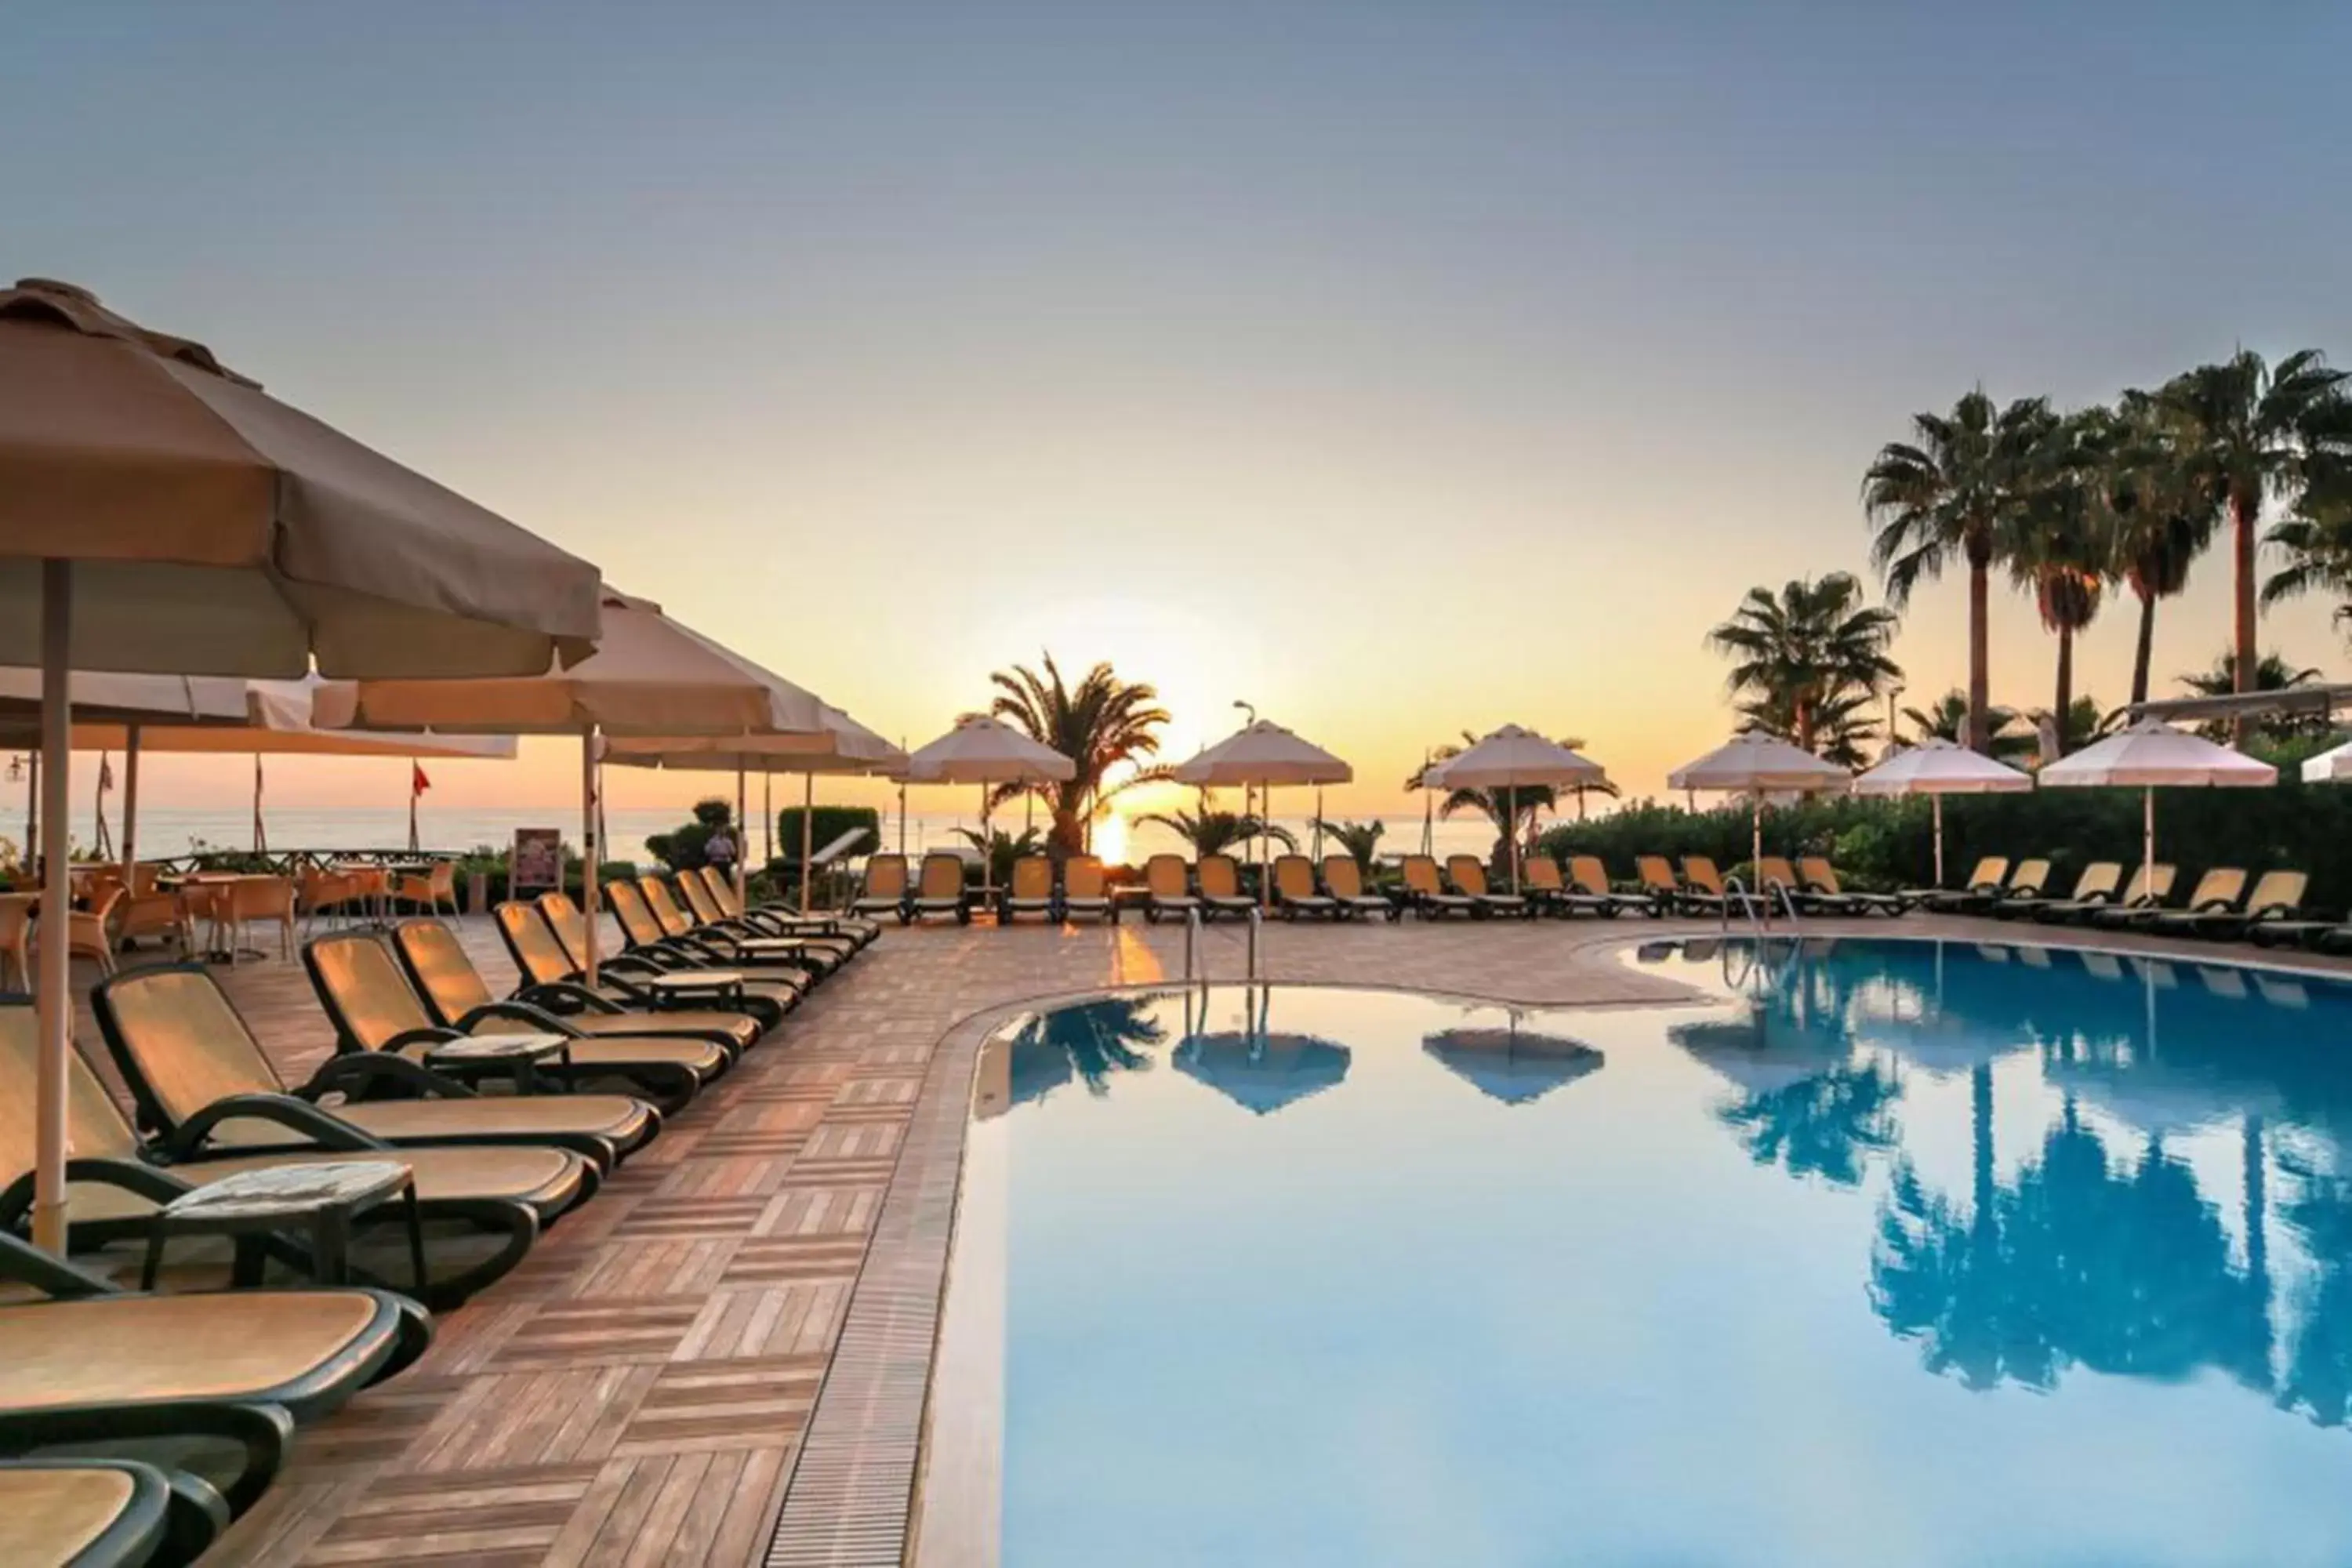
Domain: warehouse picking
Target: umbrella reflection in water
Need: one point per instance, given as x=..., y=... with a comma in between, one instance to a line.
x=1509, y=1065
x=1256, y=1068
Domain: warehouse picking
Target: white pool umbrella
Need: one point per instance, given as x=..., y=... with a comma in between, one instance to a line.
x=1511, y=759
x=1936, y=768
x=650, y=674
x=160, y=513
x=1265, y=755
x=2329, y=767
x=1756, y=764
x=985, y=751
x=2153, y=755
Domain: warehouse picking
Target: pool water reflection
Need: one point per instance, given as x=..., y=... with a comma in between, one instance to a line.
x=1888, y=1252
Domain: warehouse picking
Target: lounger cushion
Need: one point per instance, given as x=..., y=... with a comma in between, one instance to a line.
x=245, y=1345
x=620, y=1051
x=743, y=1031
x=547, y=1179
x=617, y=1117
x=53, y=1513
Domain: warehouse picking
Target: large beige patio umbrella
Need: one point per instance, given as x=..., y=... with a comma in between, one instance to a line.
x=2329, y=767
x=648, y=675
x=1756, y=764
x=1265, y=755
x=2150, y=755
x=985, y=751
x=160, y=513
x=1936, y=768
x=844, y=746
x=1511, y=759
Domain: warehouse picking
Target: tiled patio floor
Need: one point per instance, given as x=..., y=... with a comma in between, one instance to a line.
x=639, y=1391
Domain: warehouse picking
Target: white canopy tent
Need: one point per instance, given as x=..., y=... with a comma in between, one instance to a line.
x=1756, y=764
x=2152, y=755
x=1936, y=768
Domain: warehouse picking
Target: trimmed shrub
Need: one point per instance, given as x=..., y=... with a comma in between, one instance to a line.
x=826, y=824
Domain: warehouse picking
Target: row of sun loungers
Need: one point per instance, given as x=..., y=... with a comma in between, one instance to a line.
x=2226, y=904
x=509, y=1111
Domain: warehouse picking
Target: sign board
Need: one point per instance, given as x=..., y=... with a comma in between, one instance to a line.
x=537, y=863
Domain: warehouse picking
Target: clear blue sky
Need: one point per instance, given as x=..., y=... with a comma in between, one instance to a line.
x=889, y=343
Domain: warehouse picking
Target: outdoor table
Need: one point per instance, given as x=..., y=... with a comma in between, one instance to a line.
x=216, y=953
x=721, y=982
x=518, y=1052
x=323, y=1198
x=1128, y=896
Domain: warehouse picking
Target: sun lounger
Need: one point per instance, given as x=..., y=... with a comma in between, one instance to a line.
x=2321, y=935
x=940, y=889
x=1427, y=895
x=547, y=939
x=1659, y=883
x=505, y=1195
x=1344, y=880
x=459, y=999
x=735, y=945
x=2277, y=896
x=2029, y=880
x=2149, y=887
x=1822, y=891
x=375, y=1010
x=2095, y=885
x=86, y=1363
x=1031, y=891
x=1086, y=890
x=784, y=920
x=202, y=1082
x=1293, y=890
x=106, y=1513
x=1220, y=887
x=2216, y=890
x=1468, y=875
x=1588, y=883
x=1167, y=888
x=1777, y=883
x=1986, y=881
x=884, y=890
x=679, y=955
x=1705, y=892
x=1541, y=884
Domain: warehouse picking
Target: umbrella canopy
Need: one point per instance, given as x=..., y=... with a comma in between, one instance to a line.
x=2329, y=767
x=1755, y=763
x=1936, y=768
x=1263, y=753
x=216, y=531
x=982, y=750
x=2152, y=754
x=1261, y=1072
x=1509, y=1066
x=160, y=513
x=1510, y=759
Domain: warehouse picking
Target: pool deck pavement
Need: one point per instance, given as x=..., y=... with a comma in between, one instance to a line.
x=640, y=1391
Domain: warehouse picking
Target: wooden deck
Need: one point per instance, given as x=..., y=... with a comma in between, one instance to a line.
x=639, y=1390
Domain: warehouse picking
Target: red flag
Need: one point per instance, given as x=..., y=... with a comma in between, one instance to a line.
x=417, y=782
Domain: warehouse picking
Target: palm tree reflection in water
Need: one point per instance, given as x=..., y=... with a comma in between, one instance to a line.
x=1087, y=1042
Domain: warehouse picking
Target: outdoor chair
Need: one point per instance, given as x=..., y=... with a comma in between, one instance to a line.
x=201, y=1081
x=106, y=1513
x=1343, y=878
x=1986, y=881
x=1467, y=873
x=2149, y=885
x=433, y=892
x=648, y=938
x=884, y=890
x=1705, y=892
x=1030, y=891
x=1427, y=894
x=2278, y=896
x=15, y=942
x=238, y=1370
x=376, y=1011
x=1086, y=890
x=1167, y=888
x=782, y=920
x=1659, y=883
x=650, y=964
x=541, y=936
x=1220, y=880
x=1821, y=892
x=726, y=942
x=2216, y=891
x=501, y=1195
x=2095, y=885
x=939, y=889
x=457, y=996
x=1293, y=890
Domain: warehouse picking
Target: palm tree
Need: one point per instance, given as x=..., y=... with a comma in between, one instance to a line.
x=1813, y=643
x=1513, y=812
x=1211, y=832
x=2060, y=545
x=2249, y=431
x=1949, y=494
x=1948, y=720
x=2272, y=673
x=1844, y=726
x=1361, y=841
x=1002, y=848
x=2317, y=544
x=2085, y=722
x=1103, y=724
x=2157, y=526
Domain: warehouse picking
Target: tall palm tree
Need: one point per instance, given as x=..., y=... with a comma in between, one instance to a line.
x=1102, y=724
x=2249, y=431
x=1844, y=725
x=2272, y=673
x=2060, y=545
x=2317, y=545
x=1208, y=832
x=1513, y=812
x=1813, y=643
x=1949, y=495
x=2158, y=528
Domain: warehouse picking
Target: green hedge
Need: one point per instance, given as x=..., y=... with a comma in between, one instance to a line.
x=1884, y=844
x=827, y=823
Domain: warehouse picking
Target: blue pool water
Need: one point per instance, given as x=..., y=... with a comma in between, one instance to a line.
x=1889, y=1252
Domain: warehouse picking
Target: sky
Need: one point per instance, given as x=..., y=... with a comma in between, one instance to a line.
x=1397, y=369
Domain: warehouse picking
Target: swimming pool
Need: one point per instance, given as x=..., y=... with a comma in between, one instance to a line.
x=1884, y=1252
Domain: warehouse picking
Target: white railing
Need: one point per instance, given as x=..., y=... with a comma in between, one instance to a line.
x=1256, y=931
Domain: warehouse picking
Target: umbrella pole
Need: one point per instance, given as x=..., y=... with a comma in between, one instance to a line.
x=1511, y=797
x=130, y=808
x=987, y=850
x=1939, y=838
x=742, y=837
x=412, y=805
x=767, y=816
x=1756, y=839
x=590, y=849
x=808, y=810
x=1319, y=824
x=260, y=834
x=55, y=1002
x=2148, y=828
